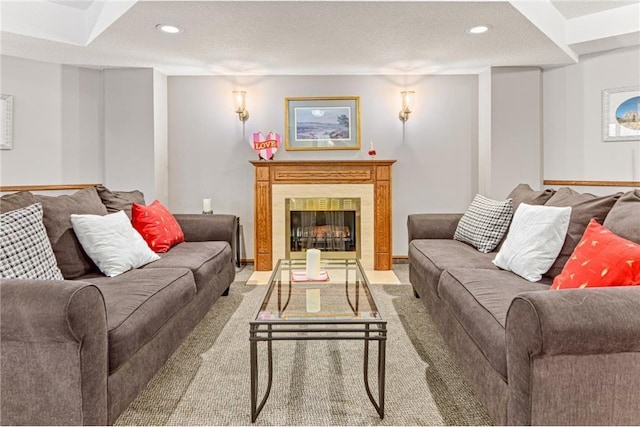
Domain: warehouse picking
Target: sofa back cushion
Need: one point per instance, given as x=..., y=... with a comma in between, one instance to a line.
x=624, y=216
x=72, y=260
x=584, y=207
x=523, y=193
x=13, y=201
x=116, y=201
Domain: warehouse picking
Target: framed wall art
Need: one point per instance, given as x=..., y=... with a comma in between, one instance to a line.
x=6, y=122
x=621, y=114
x=322, y=123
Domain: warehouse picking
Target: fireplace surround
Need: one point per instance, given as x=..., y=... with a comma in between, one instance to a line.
x=367, y=180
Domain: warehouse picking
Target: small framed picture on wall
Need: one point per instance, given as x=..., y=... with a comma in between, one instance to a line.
x=6, y=122
x=621, y=114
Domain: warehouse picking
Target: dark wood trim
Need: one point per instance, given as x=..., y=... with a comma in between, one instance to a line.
x=9, y=188
x=592, y=183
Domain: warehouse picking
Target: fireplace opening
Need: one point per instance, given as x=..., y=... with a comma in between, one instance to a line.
x=329, y=224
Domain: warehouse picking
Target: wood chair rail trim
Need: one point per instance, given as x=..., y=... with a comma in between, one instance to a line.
x=57, y=187
x=592, y=183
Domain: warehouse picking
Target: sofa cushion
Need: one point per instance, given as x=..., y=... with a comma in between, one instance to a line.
x=13, y=201
x=584, y=207
x=601, y=259
x=139, y=302
x=25, y=251
x=480, y=299
x=157, y=226
x=432, y=256
x=112, y=242
x=204, y=259
x=116, y=201
x=484, y=223
x=72, y=260
x=534, y=240
x=523, y=193
x=624, y=217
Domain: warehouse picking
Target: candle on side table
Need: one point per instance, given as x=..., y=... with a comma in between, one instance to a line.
x=206, y=206
x=313, y=263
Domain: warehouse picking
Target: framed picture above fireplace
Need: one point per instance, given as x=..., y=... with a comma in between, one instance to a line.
x=322, y=123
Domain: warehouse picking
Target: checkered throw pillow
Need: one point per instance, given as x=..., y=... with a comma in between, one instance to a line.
x=25, y=251
x=484, y=223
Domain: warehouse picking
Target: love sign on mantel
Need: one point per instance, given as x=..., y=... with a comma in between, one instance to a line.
x=265, y=147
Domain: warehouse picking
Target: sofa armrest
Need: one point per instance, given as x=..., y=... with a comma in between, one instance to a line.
x=54, y=353
x=569, y=349
x=432, y=226
x=203, y=228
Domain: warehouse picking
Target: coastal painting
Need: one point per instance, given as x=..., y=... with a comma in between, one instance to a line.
x=621, y=114
x=322, y=123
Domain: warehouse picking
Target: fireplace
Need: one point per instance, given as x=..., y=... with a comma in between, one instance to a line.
x=329, y=224
x=369, y=181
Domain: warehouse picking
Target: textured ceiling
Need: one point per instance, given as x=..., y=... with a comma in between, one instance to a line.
x=306, y=37
x=574, y=8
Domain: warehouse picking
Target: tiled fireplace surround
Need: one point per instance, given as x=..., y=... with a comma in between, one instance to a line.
x=369, y=180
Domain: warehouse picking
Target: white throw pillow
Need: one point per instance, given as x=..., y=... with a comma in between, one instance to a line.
x=534, y=240
x=112, y=242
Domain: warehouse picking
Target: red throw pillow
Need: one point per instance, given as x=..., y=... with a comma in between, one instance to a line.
x=600, y=259
x=157, y=226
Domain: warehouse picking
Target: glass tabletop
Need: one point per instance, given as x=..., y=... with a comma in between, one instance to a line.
x=343, y=296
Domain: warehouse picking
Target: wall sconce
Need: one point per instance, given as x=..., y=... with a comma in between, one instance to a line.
x=408, y=96
x=240, y=101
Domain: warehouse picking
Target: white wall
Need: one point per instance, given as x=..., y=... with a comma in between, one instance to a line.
x=516, y=129
x=57, y=123
x=435, y=170
x=160, y=137
x=129, y=130
x=484, y=132
x=573, y=145
x=76, y=125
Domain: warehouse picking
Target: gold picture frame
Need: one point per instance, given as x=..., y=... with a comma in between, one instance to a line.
x=322, y=123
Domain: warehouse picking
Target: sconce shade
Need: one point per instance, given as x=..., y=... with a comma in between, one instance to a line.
x=408, y=96
x=239, y=97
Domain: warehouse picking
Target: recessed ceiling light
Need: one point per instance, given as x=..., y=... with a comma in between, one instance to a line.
x=171, y=29
x=479, y=29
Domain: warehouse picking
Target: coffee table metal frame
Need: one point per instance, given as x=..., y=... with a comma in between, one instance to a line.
x=290, y=330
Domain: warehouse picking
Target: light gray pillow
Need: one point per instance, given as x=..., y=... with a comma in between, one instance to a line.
x=25, y=250
x=484, y=223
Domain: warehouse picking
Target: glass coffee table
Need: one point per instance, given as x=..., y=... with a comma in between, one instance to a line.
x=340, y=307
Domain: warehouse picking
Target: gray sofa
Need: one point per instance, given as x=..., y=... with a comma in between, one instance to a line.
x=79, y=351
x=535, y=356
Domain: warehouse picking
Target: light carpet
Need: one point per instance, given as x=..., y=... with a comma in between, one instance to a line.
x=206, y=382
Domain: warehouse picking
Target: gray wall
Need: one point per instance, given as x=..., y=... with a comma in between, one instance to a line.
x=435, y=170
x=67, y=131
x=573, y=145
x=160, y=137
x=516, y=129
x=129, y=130
x=57, y=123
